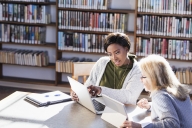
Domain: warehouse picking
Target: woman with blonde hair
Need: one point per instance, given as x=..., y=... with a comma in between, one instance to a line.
x=171, y=105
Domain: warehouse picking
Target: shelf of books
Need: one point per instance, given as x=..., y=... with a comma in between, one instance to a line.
x=24, y=22
x=45, y=44
x=83, y=26
x=165, y=28
x=38, y=2
x=28, y=23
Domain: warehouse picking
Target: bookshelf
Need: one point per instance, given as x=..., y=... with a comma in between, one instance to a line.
x=28, y=16
x=47, y=75
x=165, y=29
x=53, y=78
x=87, y=27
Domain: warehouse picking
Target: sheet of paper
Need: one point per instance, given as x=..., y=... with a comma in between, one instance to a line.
x=139, y=115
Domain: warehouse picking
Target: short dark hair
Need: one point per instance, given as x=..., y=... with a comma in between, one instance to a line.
x=117, y=38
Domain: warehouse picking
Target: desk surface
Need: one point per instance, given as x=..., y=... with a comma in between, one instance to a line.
x=15, y=112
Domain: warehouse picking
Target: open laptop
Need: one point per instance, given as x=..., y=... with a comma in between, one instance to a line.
x=96, y=105
x=116, y=113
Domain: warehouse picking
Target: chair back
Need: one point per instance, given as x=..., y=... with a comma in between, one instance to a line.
x=81, y=69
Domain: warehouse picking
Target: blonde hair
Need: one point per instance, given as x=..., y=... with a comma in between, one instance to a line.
x=161, y=75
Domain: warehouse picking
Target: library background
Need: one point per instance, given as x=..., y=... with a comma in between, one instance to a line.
x=40, y=39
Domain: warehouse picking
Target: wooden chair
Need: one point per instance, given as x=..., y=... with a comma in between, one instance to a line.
x=81, y=69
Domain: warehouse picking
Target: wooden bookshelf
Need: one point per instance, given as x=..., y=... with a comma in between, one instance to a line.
x=162, y=36
x=46, y=44
x=28, y=2
x=163, y=14
x=50, y=65
x=43, y=46
x=58, y=53
x=98, y=10
x=178, y=60
x=82, y=52
x=93, y=32
x=25, y=23
x=104, y=32
x=165, y=30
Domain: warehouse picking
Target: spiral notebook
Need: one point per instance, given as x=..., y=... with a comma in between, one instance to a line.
x=48, y=98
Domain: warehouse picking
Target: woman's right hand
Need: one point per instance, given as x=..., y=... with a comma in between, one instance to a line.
x=74, y=97
x=143, y=103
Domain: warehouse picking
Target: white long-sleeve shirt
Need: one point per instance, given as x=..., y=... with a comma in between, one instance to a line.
x=131, y=88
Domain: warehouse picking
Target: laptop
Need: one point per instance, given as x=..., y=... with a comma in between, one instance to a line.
x=116, y=113
x=96, y=105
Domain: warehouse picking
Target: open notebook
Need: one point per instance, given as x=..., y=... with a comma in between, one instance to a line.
x=48, y=98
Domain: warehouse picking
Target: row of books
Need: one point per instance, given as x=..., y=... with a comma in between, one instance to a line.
x=184, y=75
x=167, y=26
x=24, y=57
x=22, y=34
x=25, y=13
x=65, y=64
x=165, y=6
x=85, y=4
x=29, y=0
x=81, y=42
x=93, y=21
x=172, y=49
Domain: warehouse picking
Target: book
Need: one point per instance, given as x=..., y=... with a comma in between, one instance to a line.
x=48, y=98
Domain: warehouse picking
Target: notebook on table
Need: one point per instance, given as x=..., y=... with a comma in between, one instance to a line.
x=96, y=105
x=48, y=98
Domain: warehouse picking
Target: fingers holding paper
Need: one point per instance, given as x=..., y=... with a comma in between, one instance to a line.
x=130, y=124
x=143, y=103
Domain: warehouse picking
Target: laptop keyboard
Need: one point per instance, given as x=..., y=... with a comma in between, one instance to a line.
x=98, y=106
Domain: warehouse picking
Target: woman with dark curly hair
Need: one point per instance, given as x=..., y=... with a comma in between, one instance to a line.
x=116, y=75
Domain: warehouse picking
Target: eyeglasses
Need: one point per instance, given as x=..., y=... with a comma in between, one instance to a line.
x=143, y=77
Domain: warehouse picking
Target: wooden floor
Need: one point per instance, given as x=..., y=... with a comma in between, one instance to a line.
x=6, y=91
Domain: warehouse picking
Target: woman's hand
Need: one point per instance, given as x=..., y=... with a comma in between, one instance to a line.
x=130, y=124
x=94, y=90
x=74, y=97
x=143, y=103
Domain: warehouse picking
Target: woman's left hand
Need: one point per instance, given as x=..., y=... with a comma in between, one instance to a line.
x=130, y=124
